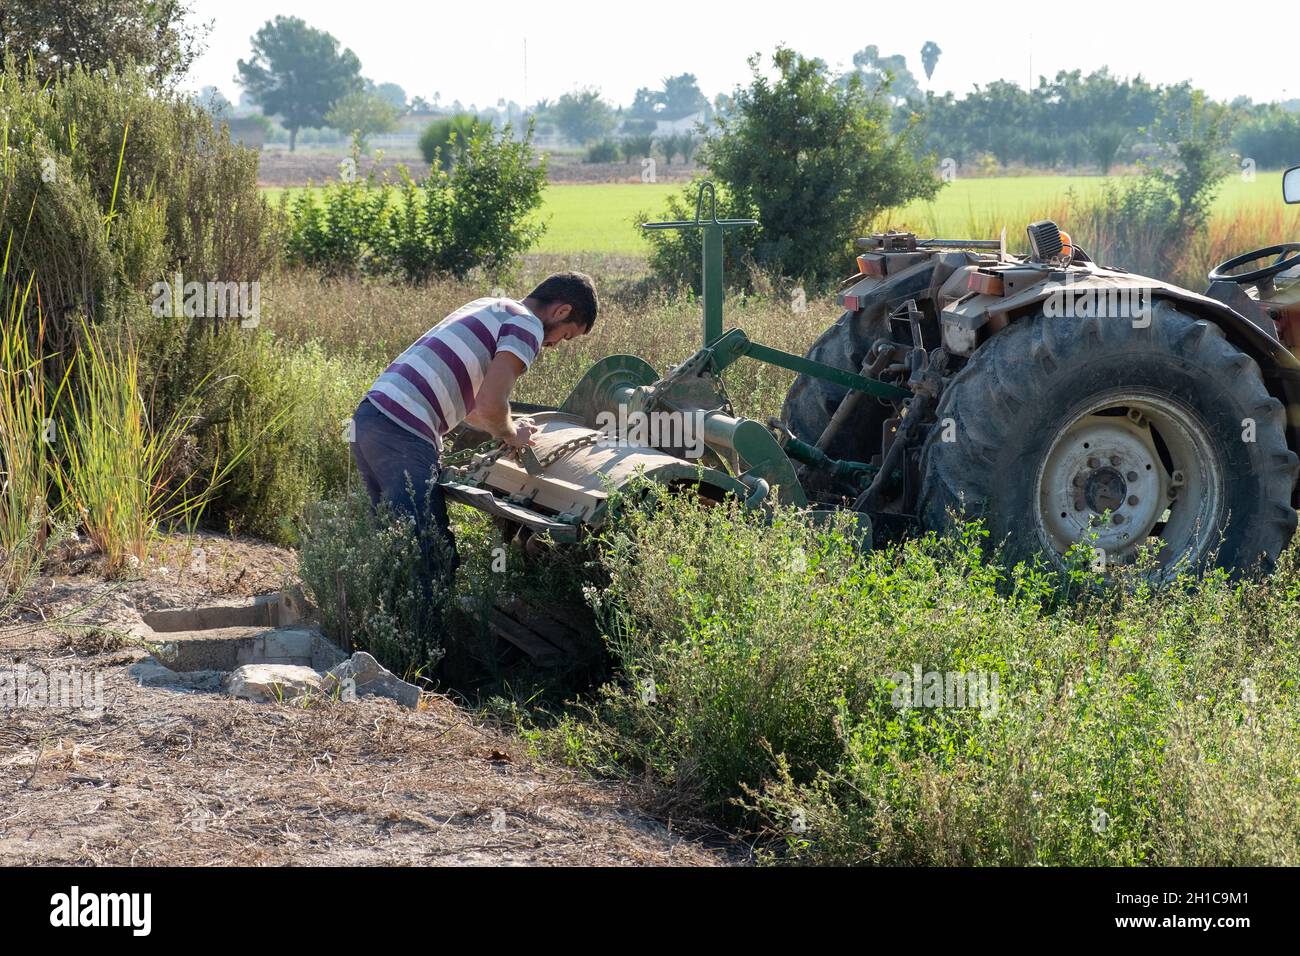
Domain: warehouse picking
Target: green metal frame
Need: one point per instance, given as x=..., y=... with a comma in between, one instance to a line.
x=712, y=229
x=727, y=347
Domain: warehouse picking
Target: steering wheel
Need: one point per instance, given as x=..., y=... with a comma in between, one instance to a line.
x=1220, y=273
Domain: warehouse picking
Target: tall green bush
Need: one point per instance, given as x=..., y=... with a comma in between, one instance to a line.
x=813, y=159
x=478, y=216
x=107, y=186
x=285, y=405
x=110, y=185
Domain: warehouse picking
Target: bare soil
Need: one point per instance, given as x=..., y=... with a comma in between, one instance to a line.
x=163, y=777
x=282, y=168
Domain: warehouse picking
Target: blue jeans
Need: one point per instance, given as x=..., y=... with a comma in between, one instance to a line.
x=402, y=469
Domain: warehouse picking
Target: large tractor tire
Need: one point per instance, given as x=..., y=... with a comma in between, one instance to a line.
x=811, y=402
x=1061, y=428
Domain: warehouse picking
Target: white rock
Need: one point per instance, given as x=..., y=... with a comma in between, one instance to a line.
x=272, y=682
x=370, y=678
x=149, y=673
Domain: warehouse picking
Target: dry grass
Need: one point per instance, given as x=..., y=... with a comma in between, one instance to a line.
x=375, y=320
x=169, y=778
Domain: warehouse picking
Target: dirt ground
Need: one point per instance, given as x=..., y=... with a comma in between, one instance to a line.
x=282, y=168
x=163, y=777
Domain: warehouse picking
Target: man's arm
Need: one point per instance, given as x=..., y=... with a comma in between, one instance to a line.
x=492, y=404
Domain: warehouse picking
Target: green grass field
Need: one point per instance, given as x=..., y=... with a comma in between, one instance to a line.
x=604, y=217
x=1021, y=199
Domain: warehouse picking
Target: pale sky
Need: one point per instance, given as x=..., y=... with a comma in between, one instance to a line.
x=474, y=51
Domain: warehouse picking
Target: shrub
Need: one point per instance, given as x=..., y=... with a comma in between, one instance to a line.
x=284, y=405
x=638, y=147
x=1126, y=726
x=487, y=206
x=336, y=229
x=675, y=256
x=444, y=141
x=475, y=217
x=165, y=187
x=290, y=407
x=1150, y=225
x=606, y=151
x=377, y=560
x=109, y=186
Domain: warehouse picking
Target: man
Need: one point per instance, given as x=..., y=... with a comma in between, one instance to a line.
x=462, y=369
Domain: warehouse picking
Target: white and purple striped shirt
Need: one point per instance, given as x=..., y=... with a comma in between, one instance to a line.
x=431, y=387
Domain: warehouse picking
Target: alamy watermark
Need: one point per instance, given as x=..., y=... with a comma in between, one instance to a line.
x=669, y=429
x=208, y=300
x=1084, y=300
x=74, y=908
x=922, y=689
x=28, y=688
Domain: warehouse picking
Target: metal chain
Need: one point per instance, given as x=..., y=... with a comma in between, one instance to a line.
x=477, y=458
x=570, y=446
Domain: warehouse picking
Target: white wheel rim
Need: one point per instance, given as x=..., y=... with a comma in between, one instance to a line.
x=1131, y=469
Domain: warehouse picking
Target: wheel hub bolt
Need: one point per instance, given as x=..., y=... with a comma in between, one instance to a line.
x=1117, y=518
x=1114, y=460
x=1094, y=463
x=1078, y=504
x=1131, y=475
x=1132, y=499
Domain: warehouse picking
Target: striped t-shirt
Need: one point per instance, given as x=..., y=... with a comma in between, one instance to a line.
x=430, y=388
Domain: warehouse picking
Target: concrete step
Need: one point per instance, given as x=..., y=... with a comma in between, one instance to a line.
x=226, y=648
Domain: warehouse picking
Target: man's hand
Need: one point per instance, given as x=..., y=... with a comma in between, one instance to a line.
x=524, y=429
x=492, y=410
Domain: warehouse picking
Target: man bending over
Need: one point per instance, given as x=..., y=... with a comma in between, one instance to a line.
x=462, y=369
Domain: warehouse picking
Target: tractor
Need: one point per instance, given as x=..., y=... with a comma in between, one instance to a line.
x=1059, y=401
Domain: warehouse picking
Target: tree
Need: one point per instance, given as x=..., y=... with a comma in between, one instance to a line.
x=813, y=160
x=297, y=73
x=583, y=116
x=930, y=54
x=646, y=104
x=1269, y=135
x=887, y=74
x=1104, y=142
x=61, y=33
x=682, y=97
x=213, y=100
x=1194, y=141
x=391, y=94
x=362, y=114
x=638, y=146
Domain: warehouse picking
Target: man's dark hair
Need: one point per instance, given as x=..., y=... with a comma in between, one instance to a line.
x=574, y=289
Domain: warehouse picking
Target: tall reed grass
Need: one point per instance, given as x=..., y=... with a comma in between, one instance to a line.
x=115, y=470
x=27, y=437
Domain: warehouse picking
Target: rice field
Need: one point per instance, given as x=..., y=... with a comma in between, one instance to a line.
x=604, y=217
